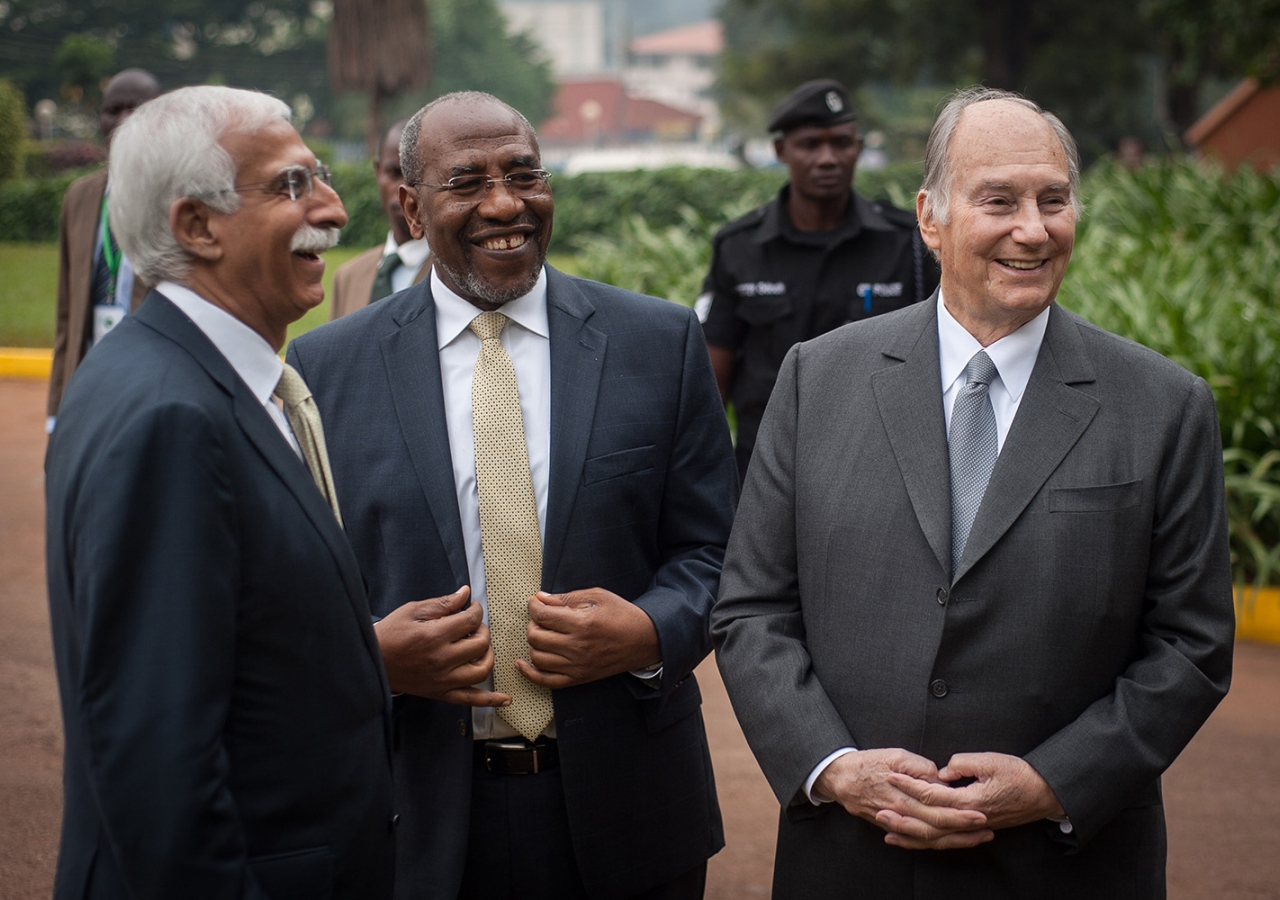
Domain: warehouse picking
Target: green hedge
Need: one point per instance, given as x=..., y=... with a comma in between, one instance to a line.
x=1186, y=259
x=29, y=209
x=588, y=206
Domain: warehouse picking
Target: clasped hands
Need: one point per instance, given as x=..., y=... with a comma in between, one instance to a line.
x=917, y=805
x=440, y=647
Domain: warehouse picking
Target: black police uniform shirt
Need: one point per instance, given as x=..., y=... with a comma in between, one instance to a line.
x=772, y=286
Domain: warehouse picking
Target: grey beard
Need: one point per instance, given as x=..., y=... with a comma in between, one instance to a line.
x=472, y=283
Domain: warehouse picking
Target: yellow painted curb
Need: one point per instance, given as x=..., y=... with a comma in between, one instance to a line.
x=1258, y=614
x=21, y=362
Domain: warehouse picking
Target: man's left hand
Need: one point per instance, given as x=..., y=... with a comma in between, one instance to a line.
x=1005, y=789
x=584, y=636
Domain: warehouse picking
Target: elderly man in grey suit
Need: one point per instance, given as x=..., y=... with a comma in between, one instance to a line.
x=977, y=597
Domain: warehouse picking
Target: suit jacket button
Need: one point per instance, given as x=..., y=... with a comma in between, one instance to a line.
x=938, y=688
x=395, y=821
x=942, y=596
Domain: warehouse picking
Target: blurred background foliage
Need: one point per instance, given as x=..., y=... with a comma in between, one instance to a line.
x=1184, y=258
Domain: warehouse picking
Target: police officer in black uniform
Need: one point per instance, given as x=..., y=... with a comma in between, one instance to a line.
x=818, y=256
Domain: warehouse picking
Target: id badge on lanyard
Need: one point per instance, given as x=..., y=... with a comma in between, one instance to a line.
x=108, y=315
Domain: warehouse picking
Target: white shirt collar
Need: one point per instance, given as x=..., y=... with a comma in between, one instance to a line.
x=1014, y=354
x=413, y=253
x=247, y=351
x=454, y=314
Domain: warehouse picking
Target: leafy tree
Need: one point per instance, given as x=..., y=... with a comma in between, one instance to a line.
x=1089, y=60
x=1199, y=41
x=274, y=45
x=474, y=52
x=13, y=130
x=85, y=60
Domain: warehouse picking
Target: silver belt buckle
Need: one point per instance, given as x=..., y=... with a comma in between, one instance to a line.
x=518, y=747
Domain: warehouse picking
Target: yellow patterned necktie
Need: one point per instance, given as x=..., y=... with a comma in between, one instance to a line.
x=304, y=418
x=509, y=533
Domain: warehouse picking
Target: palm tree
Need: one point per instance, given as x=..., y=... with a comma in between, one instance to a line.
x=381, y=47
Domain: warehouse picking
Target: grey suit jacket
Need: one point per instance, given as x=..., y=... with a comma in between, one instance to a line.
x=1088, y=628
x=353, y=282
x=641, y=497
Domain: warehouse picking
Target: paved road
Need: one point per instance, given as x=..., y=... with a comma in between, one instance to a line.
x=1222, y=795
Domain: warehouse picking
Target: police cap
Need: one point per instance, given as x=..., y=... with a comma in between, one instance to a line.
x=823, y=103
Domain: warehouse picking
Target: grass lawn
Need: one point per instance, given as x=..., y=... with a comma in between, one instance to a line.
x=29, y=276
x=28, y=294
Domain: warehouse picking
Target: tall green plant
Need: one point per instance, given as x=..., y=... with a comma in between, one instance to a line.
x=1186, y=259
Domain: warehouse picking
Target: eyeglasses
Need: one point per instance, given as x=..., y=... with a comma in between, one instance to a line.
x=293, y=182
x=525, y=185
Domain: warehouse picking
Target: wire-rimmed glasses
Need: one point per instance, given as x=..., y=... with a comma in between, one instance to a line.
x=525, y=184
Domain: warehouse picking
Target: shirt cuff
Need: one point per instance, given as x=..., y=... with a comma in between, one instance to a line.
x=49, y=424
x=819, y=799
x=650, y=675
x=1064, y=823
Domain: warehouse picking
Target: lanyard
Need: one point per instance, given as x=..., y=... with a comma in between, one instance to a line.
x=109, y=253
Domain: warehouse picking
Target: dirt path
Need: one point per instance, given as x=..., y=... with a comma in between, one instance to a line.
x=1222, y=795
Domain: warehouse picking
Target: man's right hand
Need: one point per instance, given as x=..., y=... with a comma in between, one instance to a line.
x=439, y=648
x=860, y=782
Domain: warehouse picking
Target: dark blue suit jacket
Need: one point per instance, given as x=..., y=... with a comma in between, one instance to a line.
x=227, y=717
x=642, y=490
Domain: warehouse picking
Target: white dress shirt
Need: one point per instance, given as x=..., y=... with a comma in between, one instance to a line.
x=413, y=253
x=247, y=351
x=527, y=340
x=1014, y=356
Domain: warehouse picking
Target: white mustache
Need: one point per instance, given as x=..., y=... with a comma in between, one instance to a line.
x=310, y=239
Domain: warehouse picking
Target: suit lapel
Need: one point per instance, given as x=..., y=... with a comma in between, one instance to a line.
x=412, y=359
x=577, y=362
x=161, y=315
x=1050, y=420
x=909, y=399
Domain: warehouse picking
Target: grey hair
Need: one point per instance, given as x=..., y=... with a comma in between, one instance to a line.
x=411, y=164
x=168, y=150
x=938, y=172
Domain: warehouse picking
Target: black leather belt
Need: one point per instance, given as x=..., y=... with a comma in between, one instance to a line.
x=516, y=756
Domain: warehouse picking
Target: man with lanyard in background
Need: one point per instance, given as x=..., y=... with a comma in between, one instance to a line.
x=96, y=287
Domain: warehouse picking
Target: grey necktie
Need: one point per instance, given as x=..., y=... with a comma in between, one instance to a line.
x=974, y=447
x=382, y=280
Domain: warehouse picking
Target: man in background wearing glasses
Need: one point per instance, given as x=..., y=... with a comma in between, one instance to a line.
x=546, y=461
x=226, y=713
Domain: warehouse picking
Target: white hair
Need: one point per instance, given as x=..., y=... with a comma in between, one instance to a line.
x=170, y=149
x=938, y=170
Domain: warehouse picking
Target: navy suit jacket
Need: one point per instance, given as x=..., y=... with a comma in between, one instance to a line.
x=641, y=499
x=227, y=717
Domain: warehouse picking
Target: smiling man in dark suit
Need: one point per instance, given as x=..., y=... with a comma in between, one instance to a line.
x=226, y=713
x=549, y=456
x=978, y=594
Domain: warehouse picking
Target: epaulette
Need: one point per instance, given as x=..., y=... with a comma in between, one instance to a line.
x=750, y=220
x=894, y=216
